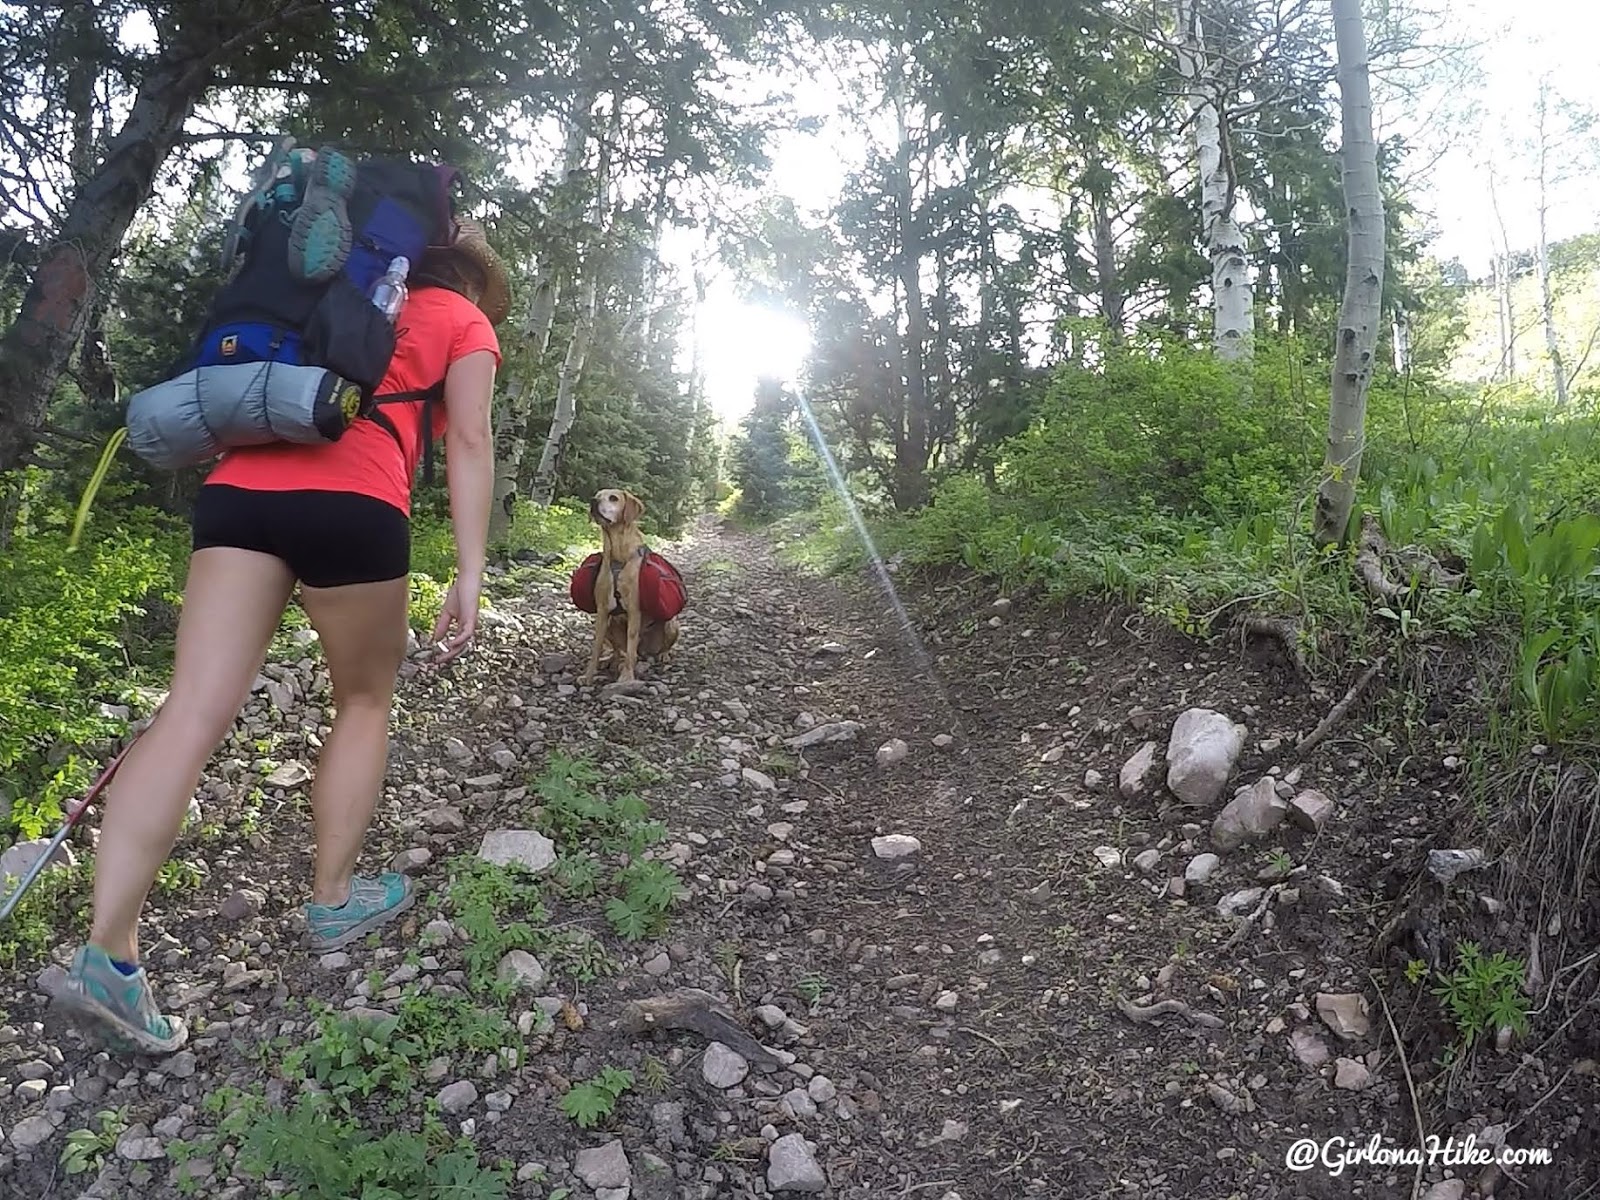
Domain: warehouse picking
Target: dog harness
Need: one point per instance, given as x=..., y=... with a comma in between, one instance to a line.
x=616, y=576
x=662, y=594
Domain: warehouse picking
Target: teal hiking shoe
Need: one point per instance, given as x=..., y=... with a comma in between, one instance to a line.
x=373, y=902
x=119, y=1008
x=319, y=237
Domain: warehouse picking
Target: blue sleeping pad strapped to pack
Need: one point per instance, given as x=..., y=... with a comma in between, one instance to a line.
x=285, y=358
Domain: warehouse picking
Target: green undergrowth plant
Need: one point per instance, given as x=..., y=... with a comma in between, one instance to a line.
x=323, y=1154
x=593, y=817
x=1155, y=480
x=1482, y=993
x=554, y=531
x=86, y=1149
x=582, y=809
x=74, y=624
x=355, y=1059
x=355, y=1128
x=54, y=910
x=498, y=909
x=592, y=1101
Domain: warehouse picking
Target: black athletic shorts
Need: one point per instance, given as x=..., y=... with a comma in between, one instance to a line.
x=329, y=539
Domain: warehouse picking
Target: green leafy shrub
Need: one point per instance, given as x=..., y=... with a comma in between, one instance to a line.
x=498, y=909
x=592, y=1101
x=323, y=1155
x=1483, y=993
x=648, y=890
x=1165, y=425
x=69, y=625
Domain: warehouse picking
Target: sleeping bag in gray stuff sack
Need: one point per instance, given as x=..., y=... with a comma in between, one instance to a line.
x=192, y=418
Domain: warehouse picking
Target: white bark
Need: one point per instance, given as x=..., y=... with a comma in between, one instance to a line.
x=571, y=374
x=1356, y=341
x=1547, y=308
x=1503, y=281
x=1401, y=335
x=555, y=442
x=1232, y=292
x=511, y=417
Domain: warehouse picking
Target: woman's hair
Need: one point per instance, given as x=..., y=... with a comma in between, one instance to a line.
x=452, y=270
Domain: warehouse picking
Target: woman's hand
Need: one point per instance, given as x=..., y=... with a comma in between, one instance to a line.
x=460, y=613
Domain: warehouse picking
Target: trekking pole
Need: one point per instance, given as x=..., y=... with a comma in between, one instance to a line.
x=73, y=817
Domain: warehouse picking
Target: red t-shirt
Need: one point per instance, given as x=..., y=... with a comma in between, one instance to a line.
x=436, y=327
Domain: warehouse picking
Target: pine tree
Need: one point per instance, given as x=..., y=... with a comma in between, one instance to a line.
x=761, y=466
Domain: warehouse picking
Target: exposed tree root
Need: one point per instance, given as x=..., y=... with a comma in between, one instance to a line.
x=1143, y=1013
x=1372, y=549
x=1338, y=711
x=1281, y=630
x=1422, y=563
x=1249, y=923
x=698, y=1012
x=1369, y=561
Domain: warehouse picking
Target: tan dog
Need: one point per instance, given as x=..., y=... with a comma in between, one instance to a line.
x=617, y=614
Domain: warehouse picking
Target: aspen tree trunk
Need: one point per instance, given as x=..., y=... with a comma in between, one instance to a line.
x=511, y=419
x=566, y=410
x=555, y=444
x=1547, y=308
x=1356, y=341
x=1232, y=294
x=1503, y=280
x=911, y=458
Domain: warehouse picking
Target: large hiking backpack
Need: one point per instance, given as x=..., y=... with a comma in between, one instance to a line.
x=296, y=353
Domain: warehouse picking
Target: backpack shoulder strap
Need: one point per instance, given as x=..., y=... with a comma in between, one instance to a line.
x=429, y=397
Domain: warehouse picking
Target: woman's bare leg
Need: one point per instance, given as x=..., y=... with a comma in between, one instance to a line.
x=363, y=632
x=232, y=604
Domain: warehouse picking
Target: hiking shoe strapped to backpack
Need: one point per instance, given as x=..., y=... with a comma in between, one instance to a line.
x=319, y=238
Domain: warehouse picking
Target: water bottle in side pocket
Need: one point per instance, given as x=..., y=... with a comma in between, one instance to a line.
x=389, y=293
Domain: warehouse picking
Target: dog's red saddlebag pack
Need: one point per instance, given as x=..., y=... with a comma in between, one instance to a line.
x=662, y=594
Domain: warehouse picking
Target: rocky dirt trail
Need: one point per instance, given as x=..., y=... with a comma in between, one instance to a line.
x=934, y=935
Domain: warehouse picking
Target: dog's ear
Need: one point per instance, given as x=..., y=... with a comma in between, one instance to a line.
x=632, y=507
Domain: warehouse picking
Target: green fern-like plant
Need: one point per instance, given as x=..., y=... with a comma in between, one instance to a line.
x=648, y=891
x=1484, y=993
x=592, y=1101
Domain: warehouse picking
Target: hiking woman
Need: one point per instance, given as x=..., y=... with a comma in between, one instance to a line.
x=336, y=519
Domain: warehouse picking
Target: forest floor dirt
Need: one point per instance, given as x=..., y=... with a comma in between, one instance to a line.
x=951, y=1023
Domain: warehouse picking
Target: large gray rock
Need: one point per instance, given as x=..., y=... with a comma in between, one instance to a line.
x=1308, y=1048
x=17, y=859
x=1311, y=810
x=834, y=731
x=1137, y=778
x=603, y=1166
x=526, y=848
x=1201, y=753
x=458, y=1097
x=290, y=774
x=139, y=1145
x=522, y=970
x=792, y=1167
x=1200, y=868
x=1252, y=814
x=723, y=1067
x=32, y=1132
x=1351, y=1075
x=1345, y=1013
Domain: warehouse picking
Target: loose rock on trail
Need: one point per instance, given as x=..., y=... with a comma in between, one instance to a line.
x=937, y=936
